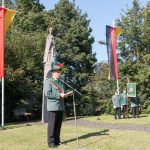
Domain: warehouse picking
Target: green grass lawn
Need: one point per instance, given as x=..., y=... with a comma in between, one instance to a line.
x=34, y=137
x=143, y=120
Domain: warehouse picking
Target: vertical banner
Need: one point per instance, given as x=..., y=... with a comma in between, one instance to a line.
x=2, y=14
x=131, y=89
x=9, y=16
x=6, y=17
x=111, y=36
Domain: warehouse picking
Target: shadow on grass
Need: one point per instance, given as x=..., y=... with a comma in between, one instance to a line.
x=103, y=132
x=12, y=126
x=16, y=125
x=141, y=116
x=72, y=118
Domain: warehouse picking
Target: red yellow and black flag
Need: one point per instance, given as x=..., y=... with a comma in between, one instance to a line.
x=111, y=35
x=6, y=17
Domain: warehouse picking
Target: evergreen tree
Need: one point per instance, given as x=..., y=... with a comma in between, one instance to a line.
x=134, y=50
x=30, y=16
x=24, y=50
x=73, y=42
x=102, y=87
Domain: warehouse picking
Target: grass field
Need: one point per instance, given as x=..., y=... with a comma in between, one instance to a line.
x=143, y=120
x=34, y=137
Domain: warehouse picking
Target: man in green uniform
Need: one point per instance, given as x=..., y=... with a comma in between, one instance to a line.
x=54, y=92
x=124, y=103
x=116, y=105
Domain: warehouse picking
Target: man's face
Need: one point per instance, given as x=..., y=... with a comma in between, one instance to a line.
x=56, y=74
x=116, y=93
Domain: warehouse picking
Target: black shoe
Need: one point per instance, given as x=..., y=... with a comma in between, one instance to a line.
x=57, y=143
x=52, y=145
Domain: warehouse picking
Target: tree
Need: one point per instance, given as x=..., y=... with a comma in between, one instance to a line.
x=73, y=41
x=30, y=16
x=102, y=87
x=24, y=50
x=134, y=49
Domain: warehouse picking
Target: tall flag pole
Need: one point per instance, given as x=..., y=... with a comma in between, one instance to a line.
x=3, y=3
x=111, y=35
x=6, y=17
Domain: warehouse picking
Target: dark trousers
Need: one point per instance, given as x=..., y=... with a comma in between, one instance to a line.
x=135, y=111
x=117, y=111
x=54, y=126
x=125, y=111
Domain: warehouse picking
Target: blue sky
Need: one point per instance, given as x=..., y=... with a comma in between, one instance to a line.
x=100, y=13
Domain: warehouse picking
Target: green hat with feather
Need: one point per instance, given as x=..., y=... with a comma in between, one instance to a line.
x=56, y=66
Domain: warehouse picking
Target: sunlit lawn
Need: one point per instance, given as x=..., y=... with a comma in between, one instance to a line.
x=34, y=137
x=143, y=120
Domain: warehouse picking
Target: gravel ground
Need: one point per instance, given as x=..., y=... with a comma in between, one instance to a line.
x=87, y=123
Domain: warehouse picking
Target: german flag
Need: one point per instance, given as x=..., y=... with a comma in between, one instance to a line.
x=6, y=17
x=111, y=35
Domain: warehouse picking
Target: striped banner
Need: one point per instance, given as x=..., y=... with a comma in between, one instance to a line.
x=6, y=17
x=111, y=36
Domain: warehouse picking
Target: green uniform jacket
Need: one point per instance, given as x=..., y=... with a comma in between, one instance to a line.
x=123, y=99
x=54, y=101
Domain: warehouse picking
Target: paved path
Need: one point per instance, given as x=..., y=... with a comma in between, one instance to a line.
x=81, y=122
